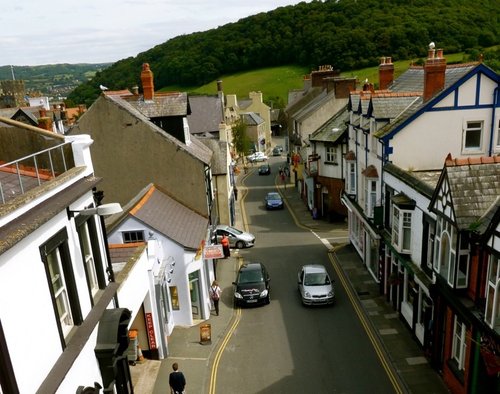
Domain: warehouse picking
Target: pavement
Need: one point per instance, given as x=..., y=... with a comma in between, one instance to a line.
x=410, y=370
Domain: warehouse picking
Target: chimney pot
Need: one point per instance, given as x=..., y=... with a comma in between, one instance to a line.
x=385, y=73
x=434, y=74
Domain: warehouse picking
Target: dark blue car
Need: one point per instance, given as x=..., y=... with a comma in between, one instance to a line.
x=274, y=201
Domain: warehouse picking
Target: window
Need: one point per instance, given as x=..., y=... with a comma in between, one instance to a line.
x=401, y=229
x=133, y=236
x=91, y=256
x=473, y=135
x=351, y=177
x=370, y=196
x=459, y=345
x=462, y=279
x=59, y=269
x=331, y=155
x=492, y=310
x=444, y=252
x=174, y=297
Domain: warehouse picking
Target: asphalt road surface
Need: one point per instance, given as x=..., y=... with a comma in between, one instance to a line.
x=285, y=347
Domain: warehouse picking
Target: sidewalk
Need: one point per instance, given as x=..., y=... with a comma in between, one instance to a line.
x=410, y=366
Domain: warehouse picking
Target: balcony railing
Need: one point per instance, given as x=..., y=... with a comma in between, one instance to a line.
x=19, y=176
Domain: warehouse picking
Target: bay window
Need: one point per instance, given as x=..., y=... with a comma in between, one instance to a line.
x=401, y=229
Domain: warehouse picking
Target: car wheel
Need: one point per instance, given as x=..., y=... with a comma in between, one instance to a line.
x=240, y=245
x=268, y=299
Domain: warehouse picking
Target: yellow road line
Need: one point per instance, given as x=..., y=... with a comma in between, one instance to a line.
x=364, y=322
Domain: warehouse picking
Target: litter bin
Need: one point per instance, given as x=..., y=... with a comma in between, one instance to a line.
x=132, y=346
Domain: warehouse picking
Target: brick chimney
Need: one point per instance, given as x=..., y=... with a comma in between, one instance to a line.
x=147, y=82
x=434, y=72
x=385, y=73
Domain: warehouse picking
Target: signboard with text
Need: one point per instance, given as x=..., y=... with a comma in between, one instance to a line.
x=213, y=252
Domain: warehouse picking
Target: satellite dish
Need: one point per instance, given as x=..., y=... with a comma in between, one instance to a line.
x=103, y=88
x=432, y=45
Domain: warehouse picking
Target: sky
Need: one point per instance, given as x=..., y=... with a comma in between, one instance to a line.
x=38, y=32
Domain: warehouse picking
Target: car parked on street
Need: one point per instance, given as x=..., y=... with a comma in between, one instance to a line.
x=315, y=286
x=265, y=169
x=237, y=239
x=273, y=200
x=256, y=157
x=251, y=286
x=277, y=151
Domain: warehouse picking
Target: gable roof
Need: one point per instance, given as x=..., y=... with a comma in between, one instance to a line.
x=160, y=211
x=333, y=129
x=252, y=119
x=195, y=148
x=474, y=186
x=219, y=158
x=206, y=114
x=302, y=99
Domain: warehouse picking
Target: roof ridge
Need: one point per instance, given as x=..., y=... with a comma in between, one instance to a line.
x=464, y=161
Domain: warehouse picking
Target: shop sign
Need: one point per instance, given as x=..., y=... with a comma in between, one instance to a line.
x=151, y=331
x=213, y=252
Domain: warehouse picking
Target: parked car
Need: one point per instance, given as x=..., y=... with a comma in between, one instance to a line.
x=274, y=201
x=252, y=285
x=237, y=238
x=265, y=169
x=315, y=285
x=277, y=151
x=257, y=156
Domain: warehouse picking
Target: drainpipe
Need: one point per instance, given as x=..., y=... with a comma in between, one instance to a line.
x=492, y=132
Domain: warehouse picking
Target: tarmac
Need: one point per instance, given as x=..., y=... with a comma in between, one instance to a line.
x=409, y=368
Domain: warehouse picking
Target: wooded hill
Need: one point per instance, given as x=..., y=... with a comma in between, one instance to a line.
x=348, y=34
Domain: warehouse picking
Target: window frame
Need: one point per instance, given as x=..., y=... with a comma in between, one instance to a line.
x=492, y=296
x=351, y=177
x=371, y=185
x=331, y=154
x=469, y=127
x=399, y=237
x=132, y=236
x=58, y=244
x=459, y=344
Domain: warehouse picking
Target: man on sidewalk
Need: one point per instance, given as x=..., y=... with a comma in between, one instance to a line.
x=176, y=380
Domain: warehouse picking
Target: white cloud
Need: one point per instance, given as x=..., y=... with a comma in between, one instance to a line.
x=96, y=31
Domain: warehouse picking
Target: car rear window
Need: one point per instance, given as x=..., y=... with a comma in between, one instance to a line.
x=250, y=276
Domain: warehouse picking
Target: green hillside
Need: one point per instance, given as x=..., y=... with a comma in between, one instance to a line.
x=347, y=34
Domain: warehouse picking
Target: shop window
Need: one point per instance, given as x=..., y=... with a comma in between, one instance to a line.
x=174, y=297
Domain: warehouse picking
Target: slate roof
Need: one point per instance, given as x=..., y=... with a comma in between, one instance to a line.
x=424, y=182
x=389, y=106
x=474, y=186
x=219, y=158
x=302, y=100
x=160, y=211
x=314, y=104
x=195, y=148
x=333, y=129
x=206, y=114
x=163, y=104
x=252, y=119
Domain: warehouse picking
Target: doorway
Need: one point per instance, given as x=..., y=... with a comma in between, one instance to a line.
x=194, y=291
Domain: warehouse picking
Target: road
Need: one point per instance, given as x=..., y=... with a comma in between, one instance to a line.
x=285, y=347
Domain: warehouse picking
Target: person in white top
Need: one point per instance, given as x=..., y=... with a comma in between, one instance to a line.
x=215, y=292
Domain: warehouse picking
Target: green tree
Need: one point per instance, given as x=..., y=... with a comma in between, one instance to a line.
x=241, y=142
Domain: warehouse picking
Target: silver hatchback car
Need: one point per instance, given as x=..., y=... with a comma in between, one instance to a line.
x=315, y=285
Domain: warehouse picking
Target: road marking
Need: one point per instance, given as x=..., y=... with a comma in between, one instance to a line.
x=364, y=322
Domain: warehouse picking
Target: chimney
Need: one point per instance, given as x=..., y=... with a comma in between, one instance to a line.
x=434, y=72
x=385, y=73
x=148, y=89
x=45, y=122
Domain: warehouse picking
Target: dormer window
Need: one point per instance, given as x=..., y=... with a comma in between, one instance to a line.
x=402, y=214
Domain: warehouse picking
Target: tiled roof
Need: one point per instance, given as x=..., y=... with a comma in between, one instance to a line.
x=219, y=158
x=333, y=129
x=302, y=100
x=390, y=106
x=314, y=104
x=170, y=217
x=405, y=114
x=206, y=114
x=475, y=187
x=423, y=182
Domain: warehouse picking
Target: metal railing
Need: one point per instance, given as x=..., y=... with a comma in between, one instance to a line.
x=31, y=171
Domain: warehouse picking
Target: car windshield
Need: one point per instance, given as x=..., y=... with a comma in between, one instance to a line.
x=235, y=230
x=316, y=279
x=273, y=196
x=250, y=276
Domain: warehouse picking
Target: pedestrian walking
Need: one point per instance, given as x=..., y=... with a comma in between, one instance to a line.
x=176, y=380
x=225, y=246
x=283, y=178
x=215, y=293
